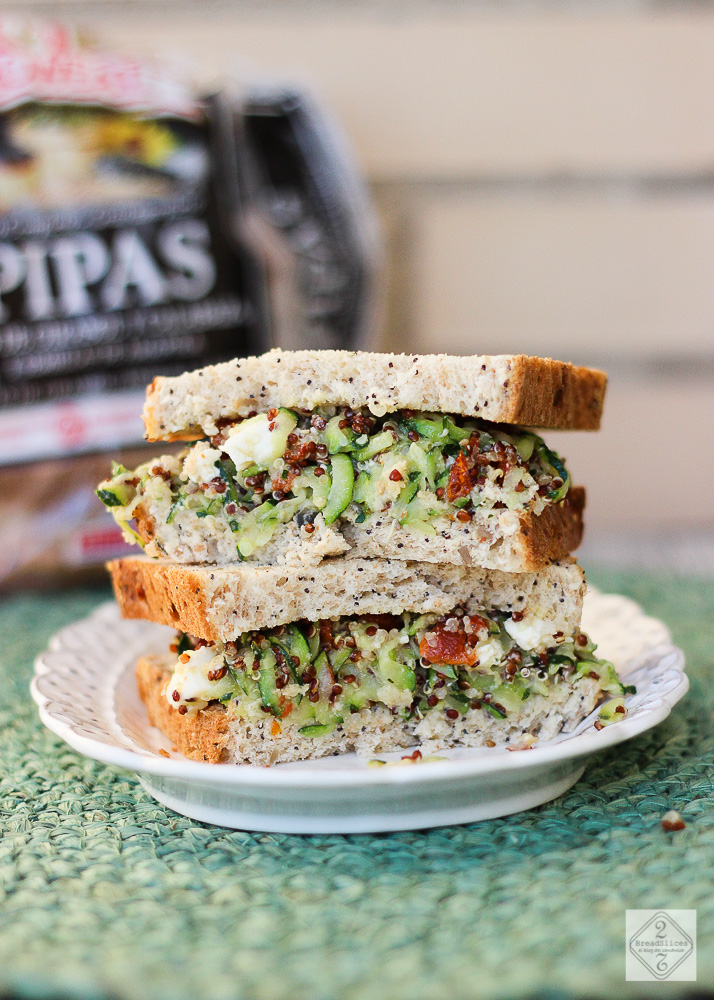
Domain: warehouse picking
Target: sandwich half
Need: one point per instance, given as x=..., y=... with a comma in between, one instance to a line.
x=268, y=668
x=301, y=455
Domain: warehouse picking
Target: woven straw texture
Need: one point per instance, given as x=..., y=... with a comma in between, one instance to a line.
x=108, y=894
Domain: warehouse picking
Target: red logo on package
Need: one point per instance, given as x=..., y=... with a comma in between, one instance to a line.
x=47, y=63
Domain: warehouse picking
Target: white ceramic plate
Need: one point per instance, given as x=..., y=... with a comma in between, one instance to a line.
x=86, y=691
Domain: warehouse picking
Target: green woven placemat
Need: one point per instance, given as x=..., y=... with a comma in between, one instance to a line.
x=108, y=894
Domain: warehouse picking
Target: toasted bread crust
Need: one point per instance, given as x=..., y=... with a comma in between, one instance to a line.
x=221, y=603
x=556, y=532
x=203, y=737
x=512, y=389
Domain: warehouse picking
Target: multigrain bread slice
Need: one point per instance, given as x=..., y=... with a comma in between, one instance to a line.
x=219, y=603
x=215, y=736
x=512, y=389
x=509, y=540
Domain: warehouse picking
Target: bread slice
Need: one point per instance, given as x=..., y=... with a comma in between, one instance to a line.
x=510, y=540
x=511, y=389
x=215, y=736
x=507, y=540
x=220, y=603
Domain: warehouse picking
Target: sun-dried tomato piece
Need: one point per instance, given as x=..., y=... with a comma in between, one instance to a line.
x=459, y=484
x=145, y=524
x=479, y=624
x=450, y=647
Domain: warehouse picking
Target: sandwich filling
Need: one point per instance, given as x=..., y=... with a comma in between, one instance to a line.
x=310, y=470
x=313, y=675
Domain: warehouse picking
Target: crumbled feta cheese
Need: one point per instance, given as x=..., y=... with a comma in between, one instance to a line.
x=200, y=464
x=190, y=677
x=393, y=696
x=531, y=633
x=250, y=442
x=489, y=653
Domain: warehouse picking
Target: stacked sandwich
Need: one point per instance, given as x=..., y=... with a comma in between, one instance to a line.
x=361, y=552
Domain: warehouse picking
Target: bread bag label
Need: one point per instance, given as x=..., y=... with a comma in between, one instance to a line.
x=116, y=262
